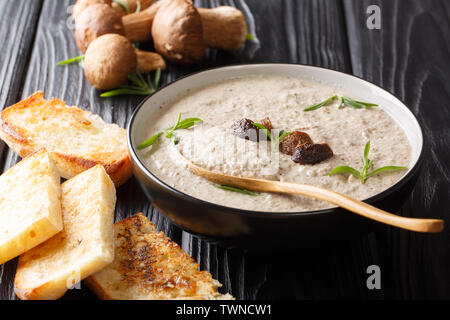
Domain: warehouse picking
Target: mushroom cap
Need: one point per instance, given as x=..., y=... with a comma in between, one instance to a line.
x=94, y=21
x=80, y=5
x=177, y=32
x=108, y=61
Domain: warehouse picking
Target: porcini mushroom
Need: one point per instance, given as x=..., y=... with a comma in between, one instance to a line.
x=98, y=19
x=177, y=32
x=111, y=58
x=108, y=61
x=81, y=5
x=224, y=27
x=94, y=21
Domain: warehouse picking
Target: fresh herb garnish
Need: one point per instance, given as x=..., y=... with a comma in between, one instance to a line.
x=138, y=6
x=321, y=104
x=275, y=141
x=244, y=191
x=250, y=36
x=139, y=85
x=124, y=5
x=367, y=164
x=345, y=102
x=348, y=102
x=78, y=59
x=184, y=124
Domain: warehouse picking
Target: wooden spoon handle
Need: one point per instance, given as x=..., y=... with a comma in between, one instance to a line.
x=353, y=205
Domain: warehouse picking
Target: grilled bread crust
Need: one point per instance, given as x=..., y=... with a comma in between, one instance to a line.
x=30, y=205
x=149, y=266
x=83, y=247
x=76, y=139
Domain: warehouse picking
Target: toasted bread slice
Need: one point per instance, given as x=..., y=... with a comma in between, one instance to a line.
x=76, y=139
x=30, y=205
x=85, y=245
x=149, y=266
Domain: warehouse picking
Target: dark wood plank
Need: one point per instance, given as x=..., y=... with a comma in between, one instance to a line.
x=17, y=33
x=410, y=56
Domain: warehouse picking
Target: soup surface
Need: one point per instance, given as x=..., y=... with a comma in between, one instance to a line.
x=212, y=145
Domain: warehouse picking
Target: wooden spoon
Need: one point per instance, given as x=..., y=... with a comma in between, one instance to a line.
x=346, y=202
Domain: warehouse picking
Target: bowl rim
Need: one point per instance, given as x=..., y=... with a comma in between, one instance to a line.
x=267, y=214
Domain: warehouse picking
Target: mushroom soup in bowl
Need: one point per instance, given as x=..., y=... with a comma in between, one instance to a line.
x=219, y=120
x=223, y=141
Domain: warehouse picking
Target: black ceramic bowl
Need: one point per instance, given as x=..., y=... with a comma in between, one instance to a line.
x=247, y=228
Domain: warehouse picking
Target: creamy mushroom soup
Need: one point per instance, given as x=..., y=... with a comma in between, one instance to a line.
x=214, y=146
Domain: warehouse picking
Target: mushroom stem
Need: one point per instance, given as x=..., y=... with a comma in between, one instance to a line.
x=138, y=26
x=223, y=27
x=148, y=61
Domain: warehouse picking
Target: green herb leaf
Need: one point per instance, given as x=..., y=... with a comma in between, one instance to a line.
x=124, y=91
x=283, y=135
x=266, y=131
x=138, y=6
x=139, y=86
x=147, y=143
x=386, y=169
x=169, y=134
x=189, y=122
x=250, y=36
x=185, y=124
x=321, y=104
x=348, y=102
x=367, y=164
x=233, y=189
x=70, y=61
x=345, y=169
x=124, y=5
x=157, y=78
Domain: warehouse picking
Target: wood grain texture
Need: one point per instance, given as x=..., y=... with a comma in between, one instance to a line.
x=410, y=56
x=16, y=40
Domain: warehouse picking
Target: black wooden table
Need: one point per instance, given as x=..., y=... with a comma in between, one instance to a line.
x=409, y=56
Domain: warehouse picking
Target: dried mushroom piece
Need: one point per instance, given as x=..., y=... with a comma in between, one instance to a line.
x=267, y=123
x=290, y=143
x=245, y=129
x=310, y=153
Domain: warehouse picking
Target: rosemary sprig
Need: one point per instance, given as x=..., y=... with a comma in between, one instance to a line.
x=184, y=124
x=233, y=189
x=139, y=85
x=78, y=59
x=345, y=102
x=367, y=164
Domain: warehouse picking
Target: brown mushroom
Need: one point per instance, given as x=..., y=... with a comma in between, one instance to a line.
x=223, y=27
x=149, y=61
x=108, y=61
x=177, y=32
x=132, y=6
x=81, y=5
x=100, y=19
x=94, y=21
x=111, y=58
